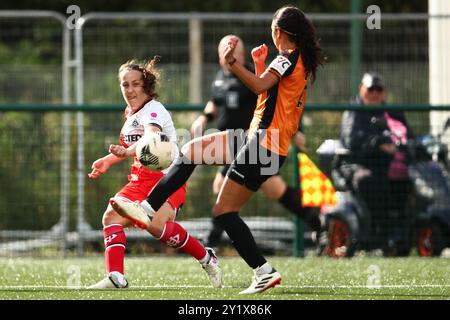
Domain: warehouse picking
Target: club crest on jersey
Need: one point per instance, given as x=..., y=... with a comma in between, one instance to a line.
x=135, y=123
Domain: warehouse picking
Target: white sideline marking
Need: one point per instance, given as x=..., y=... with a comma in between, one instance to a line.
x=208, y=286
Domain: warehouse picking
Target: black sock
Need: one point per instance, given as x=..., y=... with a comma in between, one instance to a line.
x=215, y=234
x=291, y=200
x=171, y=182
x=242, y=238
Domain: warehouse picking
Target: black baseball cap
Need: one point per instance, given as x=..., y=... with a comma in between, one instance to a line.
x=372, y=80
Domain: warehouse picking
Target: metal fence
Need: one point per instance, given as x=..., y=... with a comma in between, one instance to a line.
x=188, y=45
x=31, y=189
x=42, y=62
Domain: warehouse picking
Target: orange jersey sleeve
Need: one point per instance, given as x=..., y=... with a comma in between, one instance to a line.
x=279, y=109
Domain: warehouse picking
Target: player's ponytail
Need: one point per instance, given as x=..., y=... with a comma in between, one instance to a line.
x=151, y=76
x=302, y=32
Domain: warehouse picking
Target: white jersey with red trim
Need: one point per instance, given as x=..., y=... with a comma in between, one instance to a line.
x=152, y=113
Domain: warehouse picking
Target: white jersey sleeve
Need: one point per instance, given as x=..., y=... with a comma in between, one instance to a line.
x=154, y=113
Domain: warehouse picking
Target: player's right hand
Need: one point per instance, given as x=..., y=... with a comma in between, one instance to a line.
x=259, y=54
x=99, y=167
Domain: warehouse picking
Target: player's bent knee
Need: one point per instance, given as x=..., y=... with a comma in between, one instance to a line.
x=111, y=217
x=156, y=229
x=162, y=216
x=108, y=218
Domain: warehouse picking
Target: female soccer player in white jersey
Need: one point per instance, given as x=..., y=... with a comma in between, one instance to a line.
x=143, y=112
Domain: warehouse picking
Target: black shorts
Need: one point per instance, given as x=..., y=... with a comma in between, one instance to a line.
x=254, y=164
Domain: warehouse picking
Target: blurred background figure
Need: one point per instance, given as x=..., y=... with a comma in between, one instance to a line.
x=377, y=167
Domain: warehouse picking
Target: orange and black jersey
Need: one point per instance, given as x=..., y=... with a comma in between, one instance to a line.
x=278, y=110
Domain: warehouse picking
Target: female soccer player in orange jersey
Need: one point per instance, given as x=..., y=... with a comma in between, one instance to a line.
x=143, y=112
x=281, y=90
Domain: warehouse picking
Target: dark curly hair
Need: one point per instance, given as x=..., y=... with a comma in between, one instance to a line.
x=302, y=32
x=150, y=75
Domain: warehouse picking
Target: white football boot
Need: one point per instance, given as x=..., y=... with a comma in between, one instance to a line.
x=262, y=281
x=137, y=212
x=112, y=281
x=213, y=270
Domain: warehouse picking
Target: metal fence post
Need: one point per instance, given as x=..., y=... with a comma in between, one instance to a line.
x=298, y=246
x=355, y=48
x=66, y=132
x=195, y=60
x=82, y=226
x=439, y=68
x=61, y=227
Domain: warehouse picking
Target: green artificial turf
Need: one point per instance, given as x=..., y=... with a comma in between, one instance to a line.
x=182, y=278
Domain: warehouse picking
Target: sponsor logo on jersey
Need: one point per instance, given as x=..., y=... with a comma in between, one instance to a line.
x=131, y=137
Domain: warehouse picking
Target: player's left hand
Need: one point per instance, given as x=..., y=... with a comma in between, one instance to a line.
x=99, y=167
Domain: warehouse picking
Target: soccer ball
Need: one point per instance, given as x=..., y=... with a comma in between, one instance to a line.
x=154, y=151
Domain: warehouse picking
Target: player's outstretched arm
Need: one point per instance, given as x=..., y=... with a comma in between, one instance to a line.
x=100, y=166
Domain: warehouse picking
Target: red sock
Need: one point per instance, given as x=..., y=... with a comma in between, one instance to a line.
x=175, y=236
x=115, y=242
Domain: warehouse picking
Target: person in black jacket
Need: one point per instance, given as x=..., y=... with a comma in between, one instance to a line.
x=377, y=167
